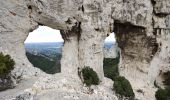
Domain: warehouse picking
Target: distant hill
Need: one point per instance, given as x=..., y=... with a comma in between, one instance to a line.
x=45, y=56
x=47, y=65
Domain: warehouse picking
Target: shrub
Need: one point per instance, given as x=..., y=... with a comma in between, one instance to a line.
x=6, y=64
x=163, y=94
x=90, y=77
x=123, y=87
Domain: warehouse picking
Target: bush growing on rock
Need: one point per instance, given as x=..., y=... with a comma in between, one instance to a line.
x=123, y=87
x=6, y=64
x=90, y=77
x=163, y=94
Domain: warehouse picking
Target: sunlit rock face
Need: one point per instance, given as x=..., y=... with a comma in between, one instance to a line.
x=137, y=50
x=161, y=30
x=141, y=26
x=161, y=7
x=15, y=25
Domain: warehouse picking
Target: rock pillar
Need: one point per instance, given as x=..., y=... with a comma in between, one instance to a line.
x=91, y=50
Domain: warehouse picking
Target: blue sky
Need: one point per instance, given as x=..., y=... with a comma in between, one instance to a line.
x=47, y=34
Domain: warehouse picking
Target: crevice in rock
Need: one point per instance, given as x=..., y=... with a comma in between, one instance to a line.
x=68, y=21
x=40, y=24
x=154, y=32
x=153, y=2
x=14, y=14
x=30, y=11
x=128, y=27
x=161, y=15
x=79, y=32
x=82, y=8
x=29, y=7
x=153, y=43
x=39, y=12
x=97, y=29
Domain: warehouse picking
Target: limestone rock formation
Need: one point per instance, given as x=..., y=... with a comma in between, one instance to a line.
x=142, y=30
x=6, y=82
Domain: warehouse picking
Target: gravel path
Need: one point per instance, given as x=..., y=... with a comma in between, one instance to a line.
x=24, y=84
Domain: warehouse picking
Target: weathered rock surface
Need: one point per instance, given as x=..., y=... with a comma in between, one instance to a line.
x=7, y=82
x=59, y=87
x=142, y=29
x=71, y=89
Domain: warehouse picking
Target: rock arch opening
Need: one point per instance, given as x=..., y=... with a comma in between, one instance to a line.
x=111, y=57
x=138, y=48
x=43, y=48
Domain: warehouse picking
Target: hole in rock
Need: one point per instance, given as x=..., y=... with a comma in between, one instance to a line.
x=111, y=57
x=44, y=49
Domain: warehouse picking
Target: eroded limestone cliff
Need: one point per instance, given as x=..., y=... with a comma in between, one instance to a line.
x=142, y=30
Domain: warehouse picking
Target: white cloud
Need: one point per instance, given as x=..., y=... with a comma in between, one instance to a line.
x=110, y=38
x=47, y=34
x=44, y=34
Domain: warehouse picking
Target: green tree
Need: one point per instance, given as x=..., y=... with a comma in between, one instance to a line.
x=163, y=94
x=123, y=87
x=90, y=76
x=6, y=64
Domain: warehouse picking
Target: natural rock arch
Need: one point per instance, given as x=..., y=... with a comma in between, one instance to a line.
x=84, y=25
x=43, y=49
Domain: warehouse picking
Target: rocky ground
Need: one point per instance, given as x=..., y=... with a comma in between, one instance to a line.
x=59, y=87
x=11, y=93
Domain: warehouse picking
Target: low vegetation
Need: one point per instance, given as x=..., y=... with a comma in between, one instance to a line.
x=90, y=77
x=123, y=87
x=164, y=94
x=6, y=64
